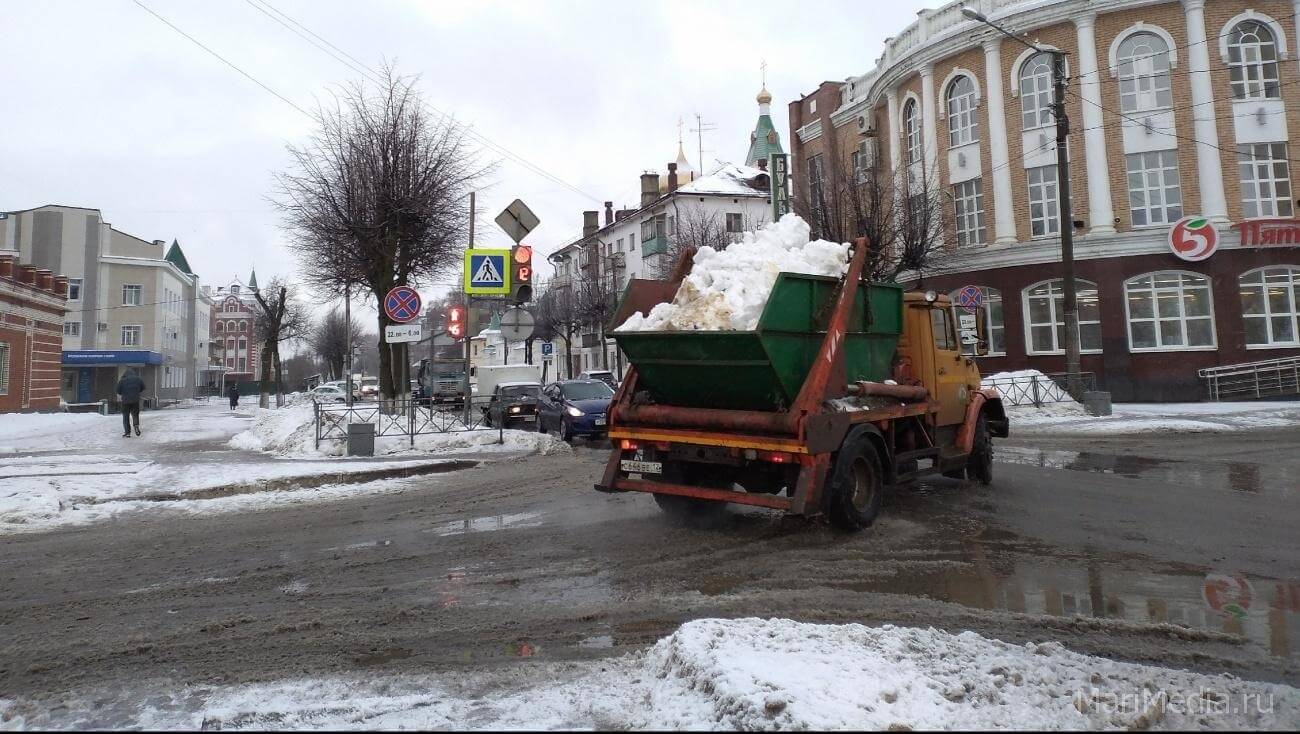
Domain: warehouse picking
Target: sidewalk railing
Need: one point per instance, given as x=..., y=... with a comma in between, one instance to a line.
x=1038, y=389
x=408, y=418
x=1270, y=377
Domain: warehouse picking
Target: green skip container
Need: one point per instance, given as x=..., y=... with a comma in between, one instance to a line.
x=764, y=369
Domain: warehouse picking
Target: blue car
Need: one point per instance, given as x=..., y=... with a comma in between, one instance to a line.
x=574, y=408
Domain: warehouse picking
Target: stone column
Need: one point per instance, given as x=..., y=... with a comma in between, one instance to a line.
x=1101, y=211
x=891, y=101
x=1209, y=169
x=1004, y=222
x=929, y=126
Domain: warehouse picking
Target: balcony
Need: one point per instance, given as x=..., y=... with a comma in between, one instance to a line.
x=617, y=261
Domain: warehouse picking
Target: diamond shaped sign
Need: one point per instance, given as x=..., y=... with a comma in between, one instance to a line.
x=517, y=220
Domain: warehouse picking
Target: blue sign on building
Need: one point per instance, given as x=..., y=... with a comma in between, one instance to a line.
x=91, y=357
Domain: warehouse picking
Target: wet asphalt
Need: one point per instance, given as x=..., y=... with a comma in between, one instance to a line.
x=1176, y=550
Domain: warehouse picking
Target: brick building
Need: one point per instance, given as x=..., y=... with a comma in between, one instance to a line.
x=1179, y=111
x=32, y=303
x=233, y=332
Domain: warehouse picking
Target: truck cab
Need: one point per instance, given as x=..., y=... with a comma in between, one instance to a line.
x=932, y=350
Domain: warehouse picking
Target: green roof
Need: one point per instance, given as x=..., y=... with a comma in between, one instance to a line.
x=252, y=280
x=176, y=257
x=763, y=141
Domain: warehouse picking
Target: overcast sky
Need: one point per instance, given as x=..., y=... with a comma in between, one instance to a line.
x=107, y=107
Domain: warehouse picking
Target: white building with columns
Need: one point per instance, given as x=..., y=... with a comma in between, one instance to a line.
x=1187, y=245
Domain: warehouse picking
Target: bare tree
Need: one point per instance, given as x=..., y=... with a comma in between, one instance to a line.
x=330, y=338
x=279, y=319
x=377, y=197
x=596, y=298
x=557, y=316
x=902, y=214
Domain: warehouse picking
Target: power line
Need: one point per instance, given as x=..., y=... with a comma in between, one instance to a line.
x=221, y=58
x=352, y=63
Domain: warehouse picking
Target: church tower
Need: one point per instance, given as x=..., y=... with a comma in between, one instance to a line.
x=763, y=141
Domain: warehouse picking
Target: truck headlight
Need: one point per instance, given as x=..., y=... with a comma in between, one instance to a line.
x=575, y=412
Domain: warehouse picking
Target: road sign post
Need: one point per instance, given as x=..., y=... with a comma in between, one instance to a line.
x=402, y=304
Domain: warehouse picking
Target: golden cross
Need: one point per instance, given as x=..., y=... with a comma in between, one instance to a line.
x=763, y=66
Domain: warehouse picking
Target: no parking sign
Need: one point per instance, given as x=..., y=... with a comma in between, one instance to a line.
x=402, y=304
x=970, y=298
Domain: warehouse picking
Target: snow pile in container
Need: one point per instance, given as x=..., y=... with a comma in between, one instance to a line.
x=727, y=289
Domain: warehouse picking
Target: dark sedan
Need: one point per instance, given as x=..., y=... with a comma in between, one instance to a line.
x=574, y=408
x=515, y=403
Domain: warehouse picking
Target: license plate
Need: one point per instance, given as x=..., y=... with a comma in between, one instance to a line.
x=600, y=421
x=527, y=418
x=641, y=467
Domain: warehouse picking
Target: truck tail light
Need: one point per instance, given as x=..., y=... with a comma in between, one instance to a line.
x=776, y=457
x=628, y=444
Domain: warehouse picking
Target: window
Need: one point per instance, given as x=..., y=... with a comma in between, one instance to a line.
x=230, y=362
x=1252, y=61
x=234, y=289
x=941, y=325
x=243, y=364
x=968, y=198
x=1270, y=300
x=1144, y=73
x=1169, y=311
x=863, y=160
x=72, y=328
x=812, y=107
x=243, y=326
x=618, y=246
x=132, y=295
x=963, y=123
x=74, y=289
x=1154, y=195
x=631, y=242
x=243, y=343
x=993, y=320
x=815, y=195
x=131, y=336
x=220, y=326
x=1265, y=180
x=1036, y=91
x=911, y=131
x=4, y=368
x=230, y=344
x=1044, y=203
x=1045, y=317
x=735, y=222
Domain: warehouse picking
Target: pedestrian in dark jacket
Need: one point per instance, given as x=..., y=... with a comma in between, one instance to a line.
x=129, y=389
x=232, y=392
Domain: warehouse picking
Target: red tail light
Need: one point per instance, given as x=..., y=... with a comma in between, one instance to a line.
x=776, y=457
x=628, y=444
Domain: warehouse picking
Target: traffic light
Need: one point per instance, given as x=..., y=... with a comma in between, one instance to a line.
x=456, y=322
x=521, y=280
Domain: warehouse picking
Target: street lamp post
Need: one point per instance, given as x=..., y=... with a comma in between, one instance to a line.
x=1070, y=301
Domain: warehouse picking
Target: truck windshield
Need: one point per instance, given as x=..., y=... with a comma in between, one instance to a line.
x=586, y=390
x=521, y=391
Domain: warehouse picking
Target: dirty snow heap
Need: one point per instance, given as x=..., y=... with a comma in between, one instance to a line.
x=727, y=289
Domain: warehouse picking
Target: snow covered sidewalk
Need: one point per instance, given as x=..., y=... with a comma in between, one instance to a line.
x=65, y=469
x=1070, y=418
x=723, y=674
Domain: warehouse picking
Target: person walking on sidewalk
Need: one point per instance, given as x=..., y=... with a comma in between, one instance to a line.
x=129, y=389
x=232, y=392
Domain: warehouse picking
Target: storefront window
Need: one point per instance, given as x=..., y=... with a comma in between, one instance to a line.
x=1169, y=311
x=1045, y=317
x=1270, y=299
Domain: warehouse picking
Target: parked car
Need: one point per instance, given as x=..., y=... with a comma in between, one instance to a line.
x=574, y=408
x=515, y=403
x=328, y=394
x=368, y=387
x=604, y=376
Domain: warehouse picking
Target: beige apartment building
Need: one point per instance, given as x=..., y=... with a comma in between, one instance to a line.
x=132, y=303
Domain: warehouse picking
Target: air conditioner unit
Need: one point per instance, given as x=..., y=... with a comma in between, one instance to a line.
x=864, y=125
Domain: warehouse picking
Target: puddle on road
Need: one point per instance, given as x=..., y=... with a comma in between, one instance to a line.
x=488, y=524
x=1239, y=476
x=1266, y=612
x=597, y=642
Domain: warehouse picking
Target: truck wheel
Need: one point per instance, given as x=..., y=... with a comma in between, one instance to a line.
x=979, y=465
x=855, y=485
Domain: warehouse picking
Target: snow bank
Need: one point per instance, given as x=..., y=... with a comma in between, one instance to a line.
x=728, y=674
x=727, y=289
x=28, y=431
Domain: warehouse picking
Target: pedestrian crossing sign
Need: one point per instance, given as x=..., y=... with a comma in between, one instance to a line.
x=487, y=272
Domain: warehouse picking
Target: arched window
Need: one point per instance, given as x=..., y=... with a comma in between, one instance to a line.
x=243, y=326
x=1045, y=317
x=230, y=326
x=1270, y=305
x=1252, y=61
x=963, y=122
x=1169, y=311
x=1036, y=91
x=912, y=131
x=993, y=319
x=1144, y=73
x=220, y=326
